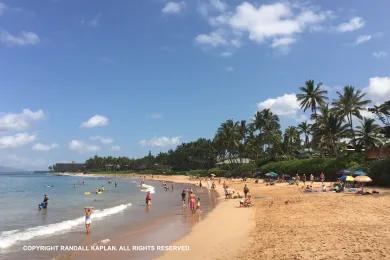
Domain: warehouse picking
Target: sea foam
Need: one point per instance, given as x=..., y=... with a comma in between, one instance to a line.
x=147, y=188
x=9, y=238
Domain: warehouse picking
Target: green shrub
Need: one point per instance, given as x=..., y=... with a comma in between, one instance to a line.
x=380, y=172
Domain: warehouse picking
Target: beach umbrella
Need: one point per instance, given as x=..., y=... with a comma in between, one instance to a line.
x=271, y=174
x=359, y=173
x=363, y=179
x=344, y=172
x=349, y=178
x=212, y=175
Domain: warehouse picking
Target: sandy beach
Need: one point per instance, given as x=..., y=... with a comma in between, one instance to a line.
x=287, y=223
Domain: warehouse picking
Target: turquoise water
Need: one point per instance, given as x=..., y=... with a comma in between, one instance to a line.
x=117, y=209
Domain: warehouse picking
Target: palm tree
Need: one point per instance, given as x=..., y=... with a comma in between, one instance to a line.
x=291, y=140
x=368, y=134
x=266, y=129
x=227, y=139
x=330, y=130
x=312, y=96
x=349, y=103
x=305, y=129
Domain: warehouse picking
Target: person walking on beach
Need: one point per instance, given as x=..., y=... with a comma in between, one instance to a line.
x=311, y=178
x=322, y=177
x=192, y=202
x=246, y=190
x=304, y=179
x=198, y=204
x=208, y=184
x=88, y=220
x=183, y=197
x=200, y=184
x=148, y=199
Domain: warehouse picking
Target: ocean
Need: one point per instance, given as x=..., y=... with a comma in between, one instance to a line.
x=116, y=210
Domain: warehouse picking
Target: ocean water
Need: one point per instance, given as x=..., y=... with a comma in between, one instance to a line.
x=116, y=209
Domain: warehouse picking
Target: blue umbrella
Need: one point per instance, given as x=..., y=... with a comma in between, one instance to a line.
x=359, y=173
x=271, y=174
x=344, y=172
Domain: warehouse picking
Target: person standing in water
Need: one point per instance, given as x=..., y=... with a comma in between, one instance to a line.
x=192, y=202
x=148, y=198
x=183, y=197
x=115, y=184
x=88, y=220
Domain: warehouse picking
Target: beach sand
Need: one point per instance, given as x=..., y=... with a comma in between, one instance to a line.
x=286, y=223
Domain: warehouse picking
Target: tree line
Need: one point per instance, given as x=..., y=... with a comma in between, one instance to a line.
x=335, y=127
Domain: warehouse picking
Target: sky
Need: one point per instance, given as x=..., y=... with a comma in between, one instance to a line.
x=80, y=78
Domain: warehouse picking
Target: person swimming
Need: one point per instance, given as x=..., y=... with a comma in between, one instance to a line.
x=45, y=202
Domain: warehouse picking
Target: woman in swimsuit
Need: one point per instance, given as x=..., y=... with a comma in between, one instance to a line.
x=88, y=220
x=192, y=202
x=148, y=199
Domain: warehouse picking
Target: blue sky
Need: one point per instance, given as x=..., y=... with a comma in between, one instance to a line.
x=80, y=78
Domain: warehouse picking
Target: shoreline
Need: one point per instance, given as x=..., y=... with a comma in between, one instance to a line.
x=227, y=227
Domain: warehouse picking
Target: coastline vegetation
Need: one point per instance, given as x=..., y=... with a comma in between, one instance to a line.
x=337, y=136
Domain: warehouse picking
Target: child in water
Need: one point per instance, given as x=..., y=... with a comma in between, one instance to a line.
x=148, y=198
x=88, y=220
x=198, y=204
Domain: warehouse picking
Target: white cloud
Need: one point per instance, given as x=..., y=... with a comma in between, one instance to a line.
x=218, y=5
x=367, y=114
x=282, y=42
x=213, y=39
x=44, y=147
x=115, y=148
x=378, y=89
x=95, y=121
x=162, y=141
x=82, y=147
x=379, y=54
x=362, y=39
x=273, y=21
x=286, y=105
x=21, y=39
x=20, y=121
x=173, y=7
x=15, y=141
x=278, y=22
x=352, y=25
x=102, y=139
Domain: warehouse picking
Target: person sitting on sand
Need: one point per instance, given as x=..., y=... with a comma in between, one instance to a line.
x=308, y=189
x=148, y=199
x=248, y=201
x=88, y=219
